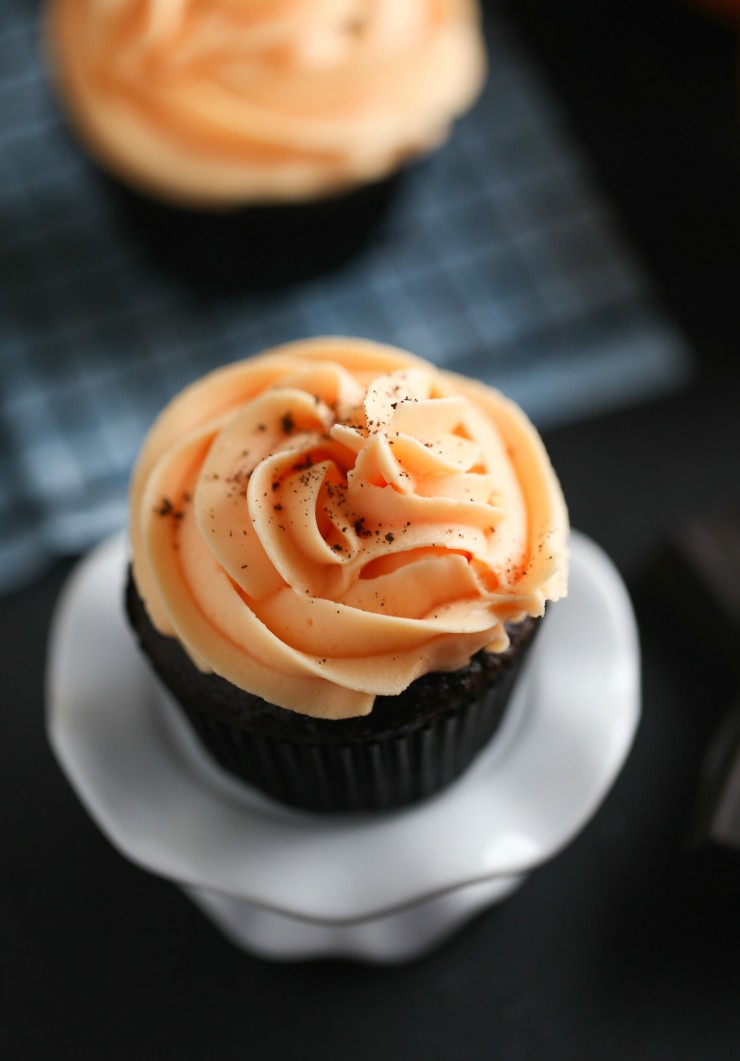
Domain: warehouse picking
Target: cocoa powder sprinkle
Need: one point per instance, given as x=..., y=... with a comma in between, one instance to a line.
x=165, y=507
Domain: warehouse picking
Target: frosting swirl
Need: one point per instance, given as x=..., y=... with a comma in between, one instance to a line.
x=216, y=102
x=330, y=520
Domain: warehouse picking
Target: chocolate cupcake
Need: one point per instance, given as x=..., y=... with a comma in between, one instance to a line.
x=340, y=556
x=290, y=116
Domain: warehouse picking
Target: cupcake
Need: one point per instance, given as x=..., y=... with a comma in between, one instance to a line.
x=340, y=557
x=297, y=110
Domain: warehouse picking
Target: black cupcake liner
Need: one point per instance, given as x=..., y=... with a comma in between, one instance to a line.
x=371, y=775
x=250, y=248
x=409, y=747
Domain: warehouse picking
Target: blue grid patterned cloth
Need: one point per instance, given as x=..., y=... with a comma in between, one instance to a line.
x=499, y=258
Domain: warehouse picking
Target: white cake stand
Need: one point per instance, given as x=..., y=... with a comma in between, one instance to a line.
x=383, y=887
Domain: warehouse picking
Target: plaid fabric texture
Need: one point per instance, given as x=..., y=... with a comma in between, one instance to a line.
x=499, y=258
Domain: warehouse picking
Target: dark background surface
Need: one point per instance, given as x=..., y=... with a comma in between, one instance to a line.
x=626, y=945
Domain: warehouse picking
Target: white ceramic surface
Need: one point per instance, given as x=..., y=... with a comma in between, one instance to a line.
x=380, y=887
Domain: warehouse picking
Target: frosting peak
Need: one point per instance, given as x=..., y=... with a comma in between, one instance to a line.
x=326, y=522
x=227, y=101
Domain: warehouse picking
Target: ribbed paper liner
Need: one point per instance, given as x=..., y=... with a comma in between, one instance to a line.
x=260, y=246
x=370, y=774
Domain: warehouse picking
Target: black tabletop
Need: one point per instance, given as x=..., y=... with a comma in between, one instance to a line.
x=625, y=945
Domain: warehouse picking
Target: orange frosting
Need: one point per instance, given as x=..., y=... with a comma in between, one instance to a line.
x=217, y=102
x=330, y=520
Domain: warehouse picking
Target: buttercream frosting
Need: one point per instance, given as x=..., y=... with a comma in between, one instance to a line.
x=216, y=102
x=326, y=522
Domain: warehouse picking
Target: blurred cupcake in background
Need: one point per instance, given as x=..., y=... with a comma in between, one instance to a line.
x=291, y=116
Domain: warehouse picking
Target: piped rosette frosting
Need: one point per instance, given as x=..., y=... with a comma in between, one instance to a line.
x=217, y=102
x=330, y=520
